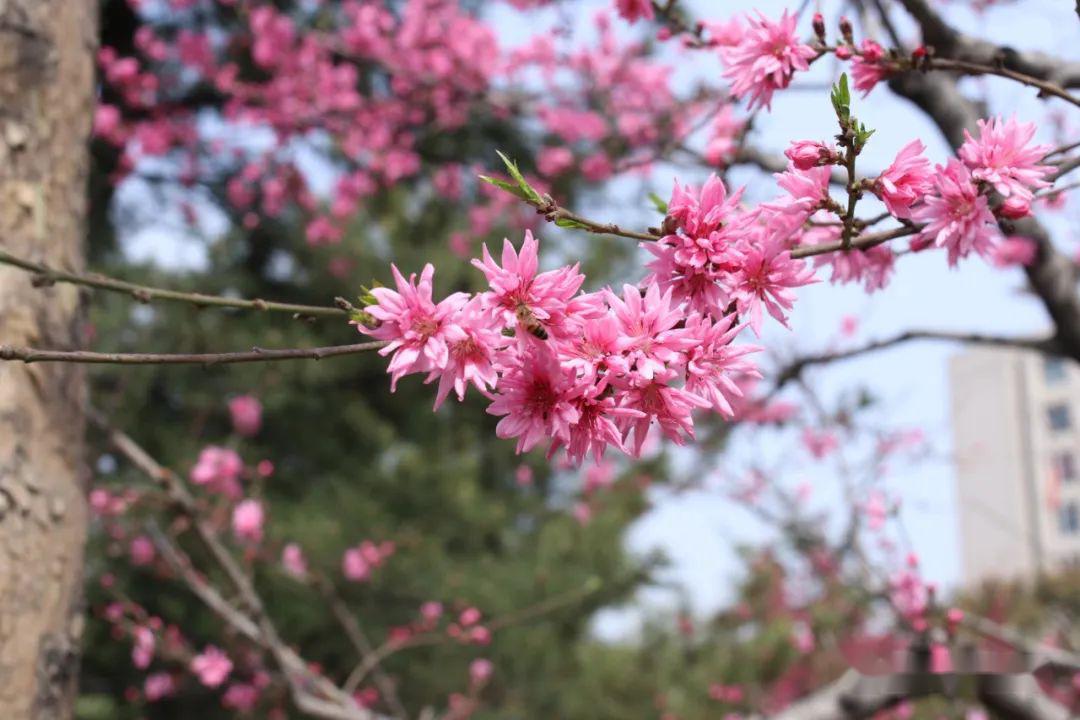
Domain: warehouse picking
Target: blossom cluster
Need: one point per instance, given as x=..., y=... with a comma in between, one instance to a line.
x=592, y=370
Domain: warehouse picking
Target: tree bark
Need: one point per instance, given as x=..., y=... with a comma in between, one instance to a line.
x=47, y=51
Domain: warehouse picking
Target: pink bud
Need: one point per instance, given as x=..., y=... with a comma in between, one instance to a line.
x=480, y=671
x=246, y=412
x=806, y=154
x=247, y=520
x=1014, y=208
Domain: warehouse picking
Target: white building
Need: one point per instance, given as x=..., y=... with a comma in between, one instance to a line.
x=1016, y=435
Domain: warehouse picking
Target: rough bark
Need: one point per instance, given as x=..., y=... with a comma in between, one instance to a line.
x=46, y=106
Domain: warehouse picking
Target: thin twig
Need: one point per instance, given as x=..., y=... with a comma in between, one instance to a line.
x=46, y=275
x=32, y=355
x=863, y=242
x=1044, y=87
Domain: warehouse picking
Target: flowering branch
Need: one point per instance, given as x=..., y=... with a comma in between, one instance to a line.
x=32, y=355
x=254, y=624
x=45, y=275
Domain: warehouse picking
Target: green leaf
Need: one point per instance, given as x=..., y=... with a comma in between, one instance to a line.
x=841, y=98
x=508, y=187
x=512, y=168
x=659, y=202
x=564, y=222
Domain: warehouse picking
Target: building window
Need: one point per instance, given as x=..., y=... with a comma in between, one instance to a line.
x=1065, y=467
x=1059, y=416
x=1054, y=370
x=1069, y=519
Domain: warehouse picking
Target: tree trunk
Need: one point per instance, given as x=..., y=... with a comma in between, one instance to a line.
x=47, y=51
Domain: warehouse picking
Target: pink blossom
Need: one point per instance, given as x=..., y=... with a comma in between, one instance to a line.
x=819, y=444
x=806, y=154
x=766, y=280
x=723, y=138
x=431, y=611
x=582, y=512
x=905, y=181
x=535, y=397
x=957, y=217
x=808, y=191
x=480, y=671
x=242, y=697
x=218, y=468
x=472, y=339
x=669, y=407
x=868, y=68
x=293, y=560
x=523, y=475
x=802, y=637
x=713, y=363
x=1004, y=157
x=247, y=520
x=647, y=328
x=246, y=414
x=1014, y=250
x=212, y=666
x=142, y=551
x=469, y=616
x=142, y=652
x=554, y=161
x=158, y=685
x=634, y=10
x=416, y=328
x=522, y=295
x=765, y=59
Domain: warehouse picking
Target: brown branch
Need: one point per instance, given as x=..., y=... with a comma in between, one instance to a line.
x=970, y=68
x=794, y=370
x=46, y=275
x=554, y=213
x=32, y=355
x=863, y=242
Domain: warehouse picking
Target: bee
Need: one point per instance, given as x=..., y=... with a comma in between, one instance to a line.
x=529, y=322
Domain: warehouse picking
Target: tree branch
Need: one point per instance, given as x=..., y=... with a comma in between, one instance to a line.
x=45, y=275
x=794, y=370
x=32, y=355
x=255, y=624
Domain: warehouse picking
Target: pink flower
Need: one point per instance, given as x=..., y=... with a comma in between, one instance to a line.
x=554, y=161
x=669, y=407
x=142, y=551
x=713, y=363
x=247, y=520
x=805, y=154
x=647, y=327
x=535, y=394
x=431, y=611
x=1004, y=157
x=472, y=339
x=142, y=652
x=241, y=697
x=766, y=280
x=808, y=191
x=480, y=671
x=819, y=444
x=293, y=560
x=765, y=59
x=596, y=427
x=417, y=329
x=246, y=414
x=634, y=10
x=957, y=217
x=469, y=616
x=212, y=666
x=219, y=468
x=1013, y=250
x=522, y=295
x=723, y=140
x=905, y=181
x=158, y=685
x=802, y=637
x=867, y=69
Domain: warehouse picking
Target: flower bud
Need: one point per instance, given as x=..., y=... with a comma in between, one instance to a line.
x=806, y=154
x=1014, y=208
